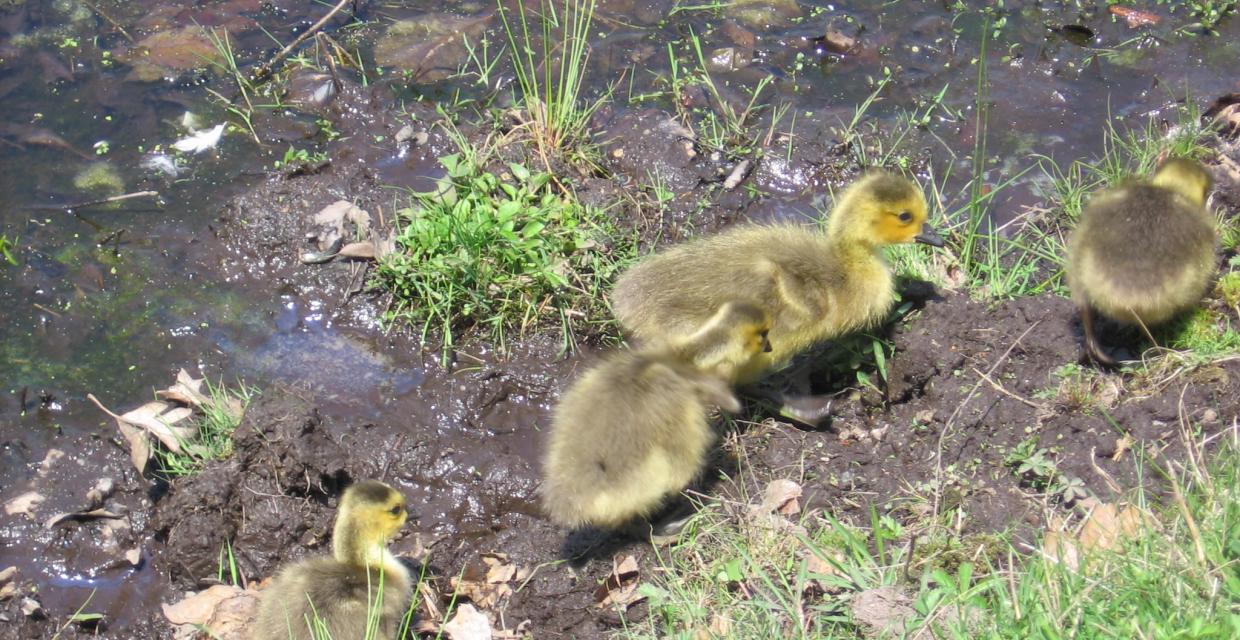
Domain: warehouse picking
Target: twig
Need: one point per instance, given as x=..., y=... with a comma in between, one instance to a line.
x=91, y=203
x=264, y=70
x=1001, y=389
x=116, y=25
x=1188, y=516
x=43, y=308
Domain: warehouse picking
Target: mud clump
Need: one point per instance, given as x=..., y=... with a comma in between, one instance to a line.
x=267, y=500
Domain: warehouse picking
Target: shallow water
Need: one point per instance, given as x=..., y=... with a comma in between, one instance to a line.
x=113, y=301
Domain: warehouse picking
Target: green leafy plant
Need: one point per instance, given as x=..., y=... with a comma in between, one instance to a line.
x=6, y=250
x=221, y=415
x=497, y=252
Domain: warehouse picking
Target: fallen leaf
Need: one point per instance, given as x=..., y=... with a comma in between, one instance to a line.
x=739, y=172
x=187, y=390
x=780, y=495
x=620, y=588
x=167, y=53
x=1057, y=546
x=336, y=214
x=31, y=608
x=8, y=590
x=884, y=610
x=468, y=624
x=103, y=489
x=500, y=572
x=764, y=14
x=1109, y=525
x=431, y=46
x=23, y=504
x=364, y=250
x=7, y=574
x=1135, y=17
x=837, y=41
x=79, y=516
x=134, y=556
x=198, y=608
x=52, y=457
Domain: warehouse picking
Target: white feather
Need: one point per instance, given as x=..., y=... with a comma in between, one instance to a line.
x=200, y=141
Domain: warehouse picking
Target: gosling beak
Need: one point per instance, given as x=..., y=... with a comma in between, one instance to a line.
x=766, y=346
x=929, y=236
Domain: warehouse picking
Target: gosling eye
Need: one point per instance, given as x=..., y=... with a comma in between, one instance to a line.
x=396, y=510
x=905, y=216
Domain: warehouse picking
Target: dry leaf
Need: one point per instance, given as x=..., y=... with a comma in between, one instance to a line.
x=7, y=574
x=780, y=495
x=24, y=504
x=78, y=516
x=103, y=489
x=1109, y=525
x=363, y=250
x=187, y=390
x=53, y=456
x=620, y=588
x=139, y=442
x=8, y=590
x=885, y=610
x=1057, y=546
x=430, y=46
x=159, y=418
x=1135, y=17
x=198, y=608
x=149, y=417
x=32, y=608
x=468, y=624
x=134, y=556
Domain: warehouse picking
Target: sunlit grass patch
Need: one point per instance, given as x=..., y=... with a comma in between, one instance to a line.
x=221, y=414
x=1166, y=572
x=499, y=253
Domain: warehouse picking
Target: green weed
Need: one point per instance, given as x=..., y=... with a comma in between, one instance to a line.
x=215, y=427
x=498, y=253
x=742, y=576
x=550, y=72
x=6, y=250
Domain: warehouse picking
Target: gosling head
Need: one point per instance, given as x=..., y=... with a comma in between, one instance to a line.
x=749, y=324
x=370, y=513
x=1185, y=177
x=882, y=209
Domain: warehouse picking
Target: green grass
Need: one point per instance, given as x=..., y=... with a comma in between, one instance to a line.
x=214, y=440
x=499, y=253
x=740, y=577
x=551, y=69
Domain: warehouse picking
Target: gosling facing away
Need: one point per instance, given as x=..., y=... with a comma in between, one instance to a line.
x=636, y=428
x=1143, y=251
x=815, y=286
x=332, y=596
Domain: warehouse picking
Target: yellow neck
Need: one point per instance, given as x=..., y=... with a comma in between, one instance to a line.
x=353, y=546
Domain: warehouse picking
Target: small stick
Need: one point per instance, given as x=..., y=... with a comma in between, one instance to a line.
x=1001, y=389
x=43, y=308
x=91, y=203
x=116, y=25
x=265, y=70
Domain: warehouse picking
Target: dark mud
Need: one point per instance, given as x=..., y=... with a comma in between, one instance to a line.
x=274, y=499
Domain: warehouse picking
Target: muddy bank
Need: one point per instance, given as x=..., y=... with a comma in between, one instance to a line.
x=274, y=499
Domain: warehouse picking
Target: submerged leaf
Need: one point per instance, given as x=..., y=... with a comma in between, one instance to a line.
x=432, y=46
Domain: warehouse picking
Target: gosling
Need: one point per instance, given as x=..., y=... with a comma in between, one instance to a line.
x=1143, y=251
x=636, y=428
x=338, y=596
x=814, y=286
